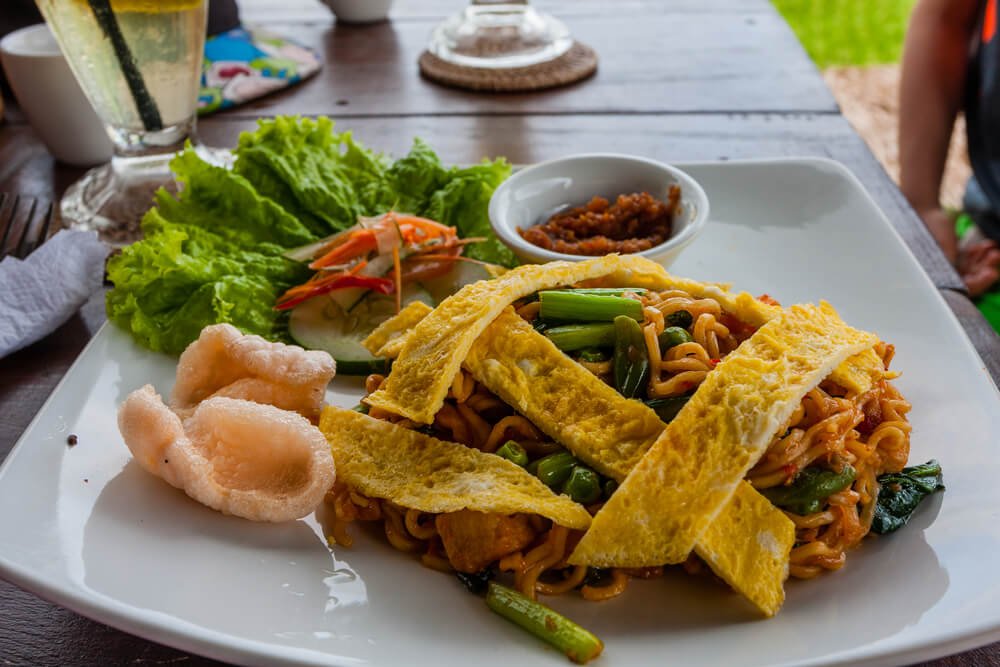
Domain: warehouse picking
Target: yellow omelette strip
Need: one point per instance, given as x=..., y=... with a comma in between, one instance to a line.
x=562, y=398
x=433, y=353
x=747, y=545
x=678, y=488
x=416, y=471
x=388, y=338
x=419, y=382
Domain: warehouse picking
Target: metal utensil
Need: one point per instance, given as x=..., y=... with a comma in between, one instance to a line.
x=25, y=223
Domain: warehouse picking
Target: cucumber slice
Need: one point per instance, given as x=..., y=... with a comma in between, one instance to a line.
x=463, y=273
x=322, y=324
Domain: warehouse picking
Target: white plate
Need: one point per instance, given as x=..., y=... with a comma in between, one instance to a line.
x=85, y=527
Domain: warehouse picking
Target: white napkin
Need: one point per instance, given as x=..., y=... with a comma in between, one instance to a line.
x=40, y=292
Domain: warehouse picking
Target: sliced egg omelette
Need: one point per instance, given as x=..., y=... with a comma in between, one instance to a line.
x=417, y=471
x=678, y=488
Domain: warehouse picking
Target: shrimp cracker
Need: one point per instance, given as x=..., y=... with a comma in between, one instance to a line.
x=225, y=362
x=238, y=457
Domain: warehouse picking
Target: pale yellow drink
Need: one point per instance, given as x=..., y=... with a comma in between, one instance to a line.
x=165, y=39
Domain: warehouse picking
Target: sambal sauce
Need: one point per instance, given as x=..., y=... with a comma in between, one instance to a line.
x=633, y=223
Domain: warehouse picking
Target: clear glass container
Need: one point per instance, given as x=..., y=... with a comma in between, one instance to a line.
x=139, y=63
x=504, y=34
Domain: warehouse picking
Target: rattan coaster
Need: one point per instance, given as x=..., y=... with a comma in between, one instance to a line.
x=576, y=64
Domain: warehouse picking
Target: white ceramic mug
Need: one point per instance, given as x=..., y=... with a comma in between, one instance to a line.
x=50, y=97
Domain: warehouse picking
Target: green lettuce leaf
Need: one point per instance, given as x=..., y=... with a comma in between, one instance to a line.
x=463, y=203
x=214, y=252
x=328, y=180
x=211, y=255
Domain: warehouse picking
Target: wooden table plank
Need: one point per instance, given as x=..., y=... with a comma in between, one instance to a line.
x=734, y=61
x=314, y=11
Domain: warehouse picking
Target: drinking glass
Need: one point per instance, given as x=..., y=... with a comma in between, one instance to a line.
x=139, y=63
x=495, y=34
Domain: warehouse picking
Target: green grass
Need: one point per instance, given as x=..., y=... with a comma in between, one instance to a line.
x=848, y=32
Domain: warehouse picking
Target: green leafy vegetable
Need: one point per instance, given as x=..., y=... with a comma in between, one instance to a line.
x=900, y=493
x=328, y=179
x=463, y=203
x=667, y=408
x=631, y=363
x=213, y=253
x=811, y=488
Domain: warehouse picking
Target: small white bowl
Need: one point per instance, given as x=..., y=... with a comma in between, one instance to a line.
x=359, y=11
x=535, y=193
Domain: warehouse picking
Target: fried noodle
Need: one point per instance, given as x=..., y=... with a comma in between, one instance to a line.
x=831, y=428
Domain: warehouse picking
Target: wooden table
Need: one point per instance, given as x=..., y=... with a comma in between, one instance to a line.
x=682, y=81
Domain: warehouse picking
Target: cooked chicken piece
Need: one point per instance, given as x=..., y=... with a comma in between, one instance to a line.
x=224, y=362
x=247, y=459
x=473, y=540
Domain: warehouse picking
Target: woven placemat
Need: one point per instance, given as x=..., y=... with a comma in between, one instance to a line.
x=576, y=64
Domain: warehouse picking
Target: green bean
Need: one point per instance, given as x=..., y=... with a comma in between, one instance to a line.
x=593, y=355
x=808, y=493
x=571, y=337
x=667, y=408
x=631, y=363
x=680, y=318
x=578, y=644
x=361, y=407
x=672, y=336
x=583, y=485
x=513, y=452
x=603, y=291
x=555, y=469
x=575, y=307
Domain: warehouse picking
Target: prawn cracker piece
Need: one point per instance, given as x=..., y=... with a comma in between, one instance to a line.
x=747, y=546
x=438, y=344
x=239, y=457
x=388, y=338
x=694, y=467
x=420, y=472
x=748, y=543
x=224, y=362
